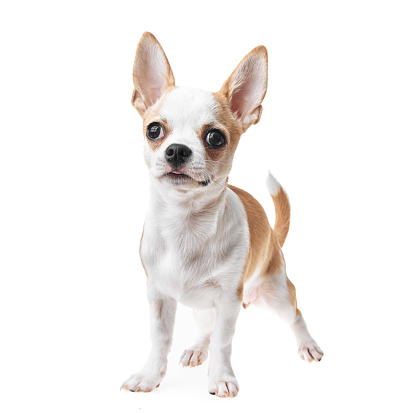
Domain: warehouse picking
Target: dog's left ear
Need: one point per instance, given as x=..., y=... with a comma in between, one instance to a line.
x=246, y=87
x=152, y=74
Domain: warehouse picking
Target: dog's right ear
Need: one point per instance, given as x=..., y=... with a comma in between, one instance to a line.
x=152, y=74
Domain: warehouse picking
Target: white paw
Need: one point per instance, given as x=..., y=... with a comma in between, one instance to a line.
x=310, y=351
x=193, y=357
x=225, y=387
x=144, y=382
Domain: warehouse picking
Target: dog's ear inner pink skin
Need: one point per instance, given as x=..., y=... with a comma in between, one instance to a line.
x=152, y=73
x=246, y=87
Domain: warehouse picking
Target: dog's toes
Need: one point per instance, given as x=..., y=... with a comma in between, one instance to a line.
x=141, y=383
x=310, y=352
x=316, y=353
x=224, y=389
x=193, y=357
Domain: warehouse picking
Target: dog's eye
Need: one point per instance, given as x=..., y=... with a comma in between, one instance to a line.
x=215, y=139
x=155, y=131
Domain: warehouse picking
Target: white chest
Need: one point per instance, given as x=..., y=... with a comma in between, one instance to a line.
x=191, y=279
x=199, y=258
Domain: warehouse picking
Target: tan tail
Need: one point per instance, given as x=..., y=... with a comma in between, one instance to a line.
x=281, y=207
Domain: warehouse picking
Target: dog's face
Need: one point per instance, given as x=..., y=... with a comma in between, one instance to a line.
x=191, y=135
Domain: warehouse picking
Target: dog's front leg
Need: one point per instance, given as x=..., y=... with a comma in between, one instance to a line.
x=162, y=319
x=221, y=378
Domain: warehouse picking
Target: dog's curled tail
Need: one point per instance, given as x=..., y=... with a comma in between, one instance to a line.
x=281, y=207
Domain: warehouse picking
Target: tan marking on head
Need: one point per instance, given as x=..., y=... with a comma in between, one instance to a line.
x=227, y=119
x=220, y=160
x=153, y=115
x=213, y=154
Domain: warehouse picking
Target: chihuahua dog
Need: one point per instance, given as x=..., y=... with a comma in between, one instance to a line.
x=206, y=243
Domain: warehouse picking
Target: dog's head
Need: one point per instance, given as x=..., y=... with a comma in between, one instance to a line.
x=191, y=135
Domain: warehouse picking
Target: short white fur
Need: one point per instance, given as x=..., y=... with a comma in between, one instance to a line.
x=196, y=238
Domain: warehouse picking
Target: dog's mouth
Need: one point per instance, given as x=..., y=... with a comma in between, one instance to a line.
x=181, y=178
x=177, y=175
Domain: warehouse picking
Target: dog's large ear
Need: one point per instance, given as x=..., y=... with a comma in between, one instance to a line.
x=246, y=87
x=151, y=73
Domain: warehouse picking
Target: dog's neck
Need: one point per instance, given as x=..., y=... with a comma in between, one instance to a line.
x=187, y=213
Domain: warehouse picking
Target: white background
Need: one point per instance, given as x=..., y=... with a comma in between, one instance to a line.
x=338, y=130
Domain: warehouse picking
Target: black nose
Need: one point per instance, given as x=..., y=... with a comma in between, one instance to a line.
x=177, y=154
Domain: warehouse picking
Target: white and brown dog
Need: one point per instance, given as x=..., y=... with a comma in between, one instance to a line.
x=206, y=243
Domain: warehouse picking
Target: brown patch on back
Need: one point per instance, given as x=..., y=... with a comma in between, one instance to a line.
x=264, y=250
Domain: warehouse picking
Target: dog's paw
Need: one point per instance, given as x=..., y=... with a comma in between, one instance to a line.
x=227, y=387
x=142, y=381
x=310, y=351
x=193, y=357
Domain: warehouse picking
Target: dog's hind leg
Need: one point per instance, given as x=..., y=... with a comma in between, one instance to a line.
x=279, y=294
x=198, y=353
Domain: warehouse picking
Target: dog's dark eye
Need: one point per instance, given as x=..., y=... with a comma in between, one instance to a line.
x=215, y=139
x=155, y=131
